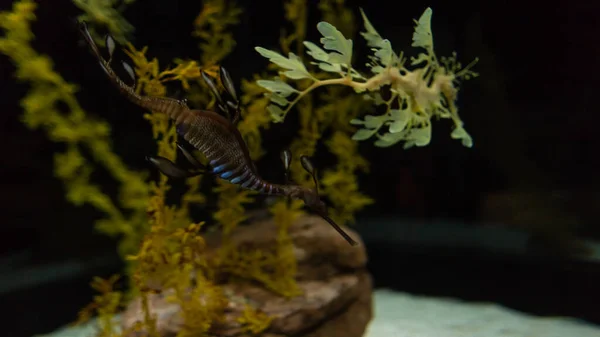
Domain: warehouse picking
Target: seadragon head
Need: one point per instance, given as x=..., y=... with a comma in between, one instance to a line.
x=310, y=196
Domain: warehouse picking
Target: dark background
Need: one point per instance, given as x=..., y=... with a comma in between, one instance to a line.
x=532, y=114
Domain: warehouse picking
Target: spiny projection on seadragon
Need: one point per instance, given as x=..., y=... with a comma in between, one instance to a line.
x=215, y=136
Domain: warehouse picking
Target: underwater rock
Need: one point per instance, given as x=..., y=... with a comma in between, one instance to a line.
x=336, y=287
x=320, y=251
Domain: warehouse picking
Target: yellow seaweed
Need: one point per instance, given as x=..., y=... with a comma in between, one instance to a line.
x=87, y=140
x=254, y=321
x=106, y=305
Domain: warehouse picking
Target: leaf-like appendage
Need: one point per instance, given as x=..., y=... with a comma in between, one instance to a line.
x=400, y=119
x=277, y=114
x=371, y=35
x=320, y=55
x=316, y=52
x=332, y=68
x=370, y=122
x=375, y=69
x=334, y=40
x=422, y=57
x=296, y=69
x=363, y=134
x=279, y=87
x=276, y=58
x=378, y=99
x=385, y=55
x=412, y=136
x=389, y=139
x=296, y=74
x=277, y=99
x=422, y=36
x=463, y=135
x=382, y=47
x=420, y=136
x=373, y=122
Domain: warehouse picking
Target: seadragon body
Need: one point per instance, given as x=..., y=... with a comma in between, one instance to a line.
x=215, y=136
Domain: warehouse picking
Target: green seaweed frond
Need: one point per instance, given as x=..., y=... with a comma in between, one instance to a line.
x=87, y=140
x=254, y=321
x=104, y=14
x=339, y=15
x=295, y=12
x=340, y=183
x=418, y=94
x=212, y=27
x=254, y=119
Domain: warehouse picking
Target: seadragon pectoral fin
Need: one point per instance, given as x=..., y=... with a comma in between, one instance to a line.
x=191, y=158
x=170, y=169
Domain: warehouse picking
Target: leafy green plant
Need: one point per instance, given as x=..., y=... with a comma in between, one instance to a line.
x=418, y=94
x=108, y=15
